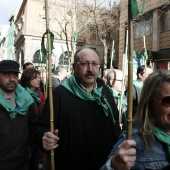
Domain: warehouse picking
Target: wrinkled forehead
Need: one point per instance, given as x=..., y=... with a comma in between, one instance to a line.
x=119, y=74
x=87, y=55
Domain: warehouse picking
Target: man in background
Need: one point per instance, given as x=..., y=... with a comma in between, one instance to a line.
x=17, y=119
x=60, y=74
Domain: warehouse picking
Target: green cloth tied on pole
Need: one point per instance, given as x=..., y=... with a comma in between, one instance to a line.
x=145, y=53
x=143, y=7
x=75, y=35
x=135, y=10
x=43, y=50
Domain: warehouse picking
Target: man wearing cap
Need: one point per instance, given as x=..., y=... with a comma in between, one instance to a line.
x=17, y=119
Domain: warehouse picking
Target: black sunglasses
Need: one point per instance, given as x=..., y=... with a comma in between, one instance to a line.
x=165, y=102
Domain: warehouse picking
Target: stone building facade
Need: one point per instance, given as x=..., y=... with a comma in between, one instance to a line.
x=154, y=25
x=30, y=25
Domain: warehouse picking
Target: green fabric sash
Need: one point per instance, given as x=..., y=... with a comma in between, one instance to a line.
x=163, y=137
x=138, y=83
x=96, y=95
x=35, y=96
x=23, y=101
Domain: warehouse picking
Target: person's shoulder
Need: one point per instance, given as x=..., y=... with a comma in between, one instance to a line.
x=100, y=82
x=59, y=89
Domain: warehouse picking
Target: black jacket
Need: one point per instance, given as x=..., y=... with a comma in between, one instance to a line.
x=86, y=133
x=16, y=138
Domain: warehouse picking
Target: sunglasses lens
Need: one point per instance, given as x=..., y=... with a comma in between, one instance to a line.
x=165, y=102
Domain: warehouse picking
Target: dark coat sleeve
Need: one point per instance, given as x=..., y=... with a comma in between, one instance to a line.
x=106, y=91
x=32, y=123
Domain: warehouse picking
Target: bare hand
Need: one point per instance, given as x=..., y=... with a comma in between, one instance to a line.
x=50, y=140
x=125, y=156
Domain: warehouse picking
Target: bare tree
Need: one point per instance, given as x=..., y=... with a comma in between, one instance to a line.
x=104, y=20
x=95, y=17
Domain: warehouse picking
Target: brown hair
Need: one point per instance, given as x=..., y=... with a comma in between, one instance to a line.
x=144, y=118
x=28, y=75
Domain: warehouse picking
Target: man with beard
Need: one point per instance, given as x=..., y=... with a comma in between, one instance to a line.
x=17, y=119
x=85, y=118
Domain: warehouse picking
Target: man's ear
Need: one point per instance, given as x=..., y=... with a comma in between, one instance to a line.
x=140, y=75
x=112, y=82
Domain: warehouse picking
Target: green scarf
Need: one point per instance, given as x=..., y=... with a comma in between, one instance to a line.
x=35, y=96
x=96, y=95
x=163, y=137
x=138, y=83
x=23, y=101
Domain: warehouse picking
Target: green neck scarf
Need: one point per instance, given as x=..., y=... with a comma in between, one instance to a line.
x=163, y=137
x=96, y=95
x=23, y=101
x=124, y=103
x=35, y=96
x=138, y=83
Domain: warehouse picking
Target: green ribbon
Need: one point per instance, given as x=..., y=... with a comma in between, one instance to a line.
x=35, y=96
x=138, y=83
x=43, y=50
x=23, y=101
x=96, y=95
x=163, y=137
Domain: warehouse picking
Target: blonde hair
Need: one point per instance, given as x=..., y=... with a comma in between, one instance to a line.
x=144, y=116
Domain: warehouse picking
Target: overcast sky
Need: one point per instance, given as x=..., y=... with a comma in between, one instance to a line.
x=7, y=8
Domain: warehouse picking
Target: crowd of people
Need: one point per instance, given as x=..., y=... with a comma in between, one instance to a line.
x=90, y=113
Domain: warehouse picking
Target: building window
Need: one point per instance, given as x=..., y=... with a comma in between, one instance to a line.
x=165, y=21
x=143, y=28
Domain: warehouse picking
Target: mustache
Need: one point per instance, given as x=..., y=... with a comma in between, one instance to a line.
x=11, y=83
x=89, y=74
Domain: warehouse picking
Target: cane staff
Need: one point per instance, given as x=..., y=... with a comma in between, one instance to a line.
x=112, y=56
x=49, y=51
x=124, y=67
x=144, y=54
x=130, y=72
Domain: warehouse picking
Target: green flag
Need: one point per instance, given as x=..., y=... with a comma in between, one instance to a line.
x=75, y=35
x=135, y=10
x=143, y=7
x=145, y=53
x=43, y=50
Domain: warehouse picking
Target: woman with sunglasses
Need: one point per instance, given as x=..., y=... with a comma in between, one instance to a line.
x=150, y=144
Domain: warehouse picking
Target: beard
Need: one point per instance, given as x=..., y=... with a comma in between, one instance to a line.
x=6, y=87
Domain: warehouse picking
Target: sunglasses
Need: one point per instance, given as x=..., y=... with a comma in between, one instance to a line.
x=165, y=102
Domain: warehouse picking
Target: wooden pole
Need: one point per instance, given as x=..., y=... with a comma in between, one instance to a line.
x=112, y=56
x=144, y=46
x=124, y=67
x=130, y=72
x=49, y=51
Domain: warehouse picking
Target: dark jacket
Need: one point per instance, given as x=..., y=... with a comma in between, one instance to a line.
x=136, y=98
x=16, y=139
x=86, y=133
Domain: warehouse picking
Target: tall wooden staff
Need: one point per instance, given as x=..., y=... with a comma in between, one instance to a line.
x=49, y=51
x=112, y=56
x=124, y=67
x=144, y=46
x=130, y=71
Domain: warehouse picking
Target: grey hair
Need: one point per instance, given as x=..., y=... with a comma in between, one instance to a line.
x=77, y=54
x=144, y=116
x=111, y=75
x=59, y=69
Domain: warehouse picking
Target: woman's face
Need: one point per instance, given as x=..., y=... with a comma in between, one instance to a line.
x=161, y=107
x=35, y=83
